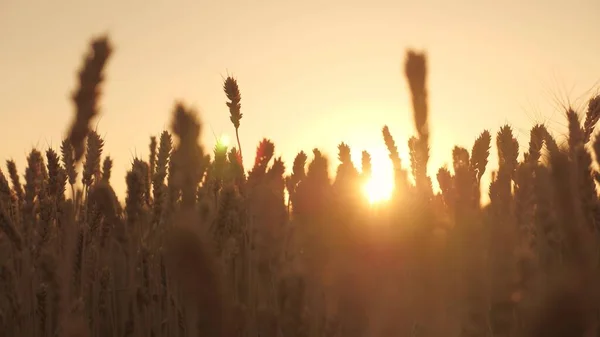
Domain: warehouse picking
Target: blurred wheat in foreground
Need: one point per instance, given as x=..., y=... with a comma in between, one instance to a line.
x=202, y=247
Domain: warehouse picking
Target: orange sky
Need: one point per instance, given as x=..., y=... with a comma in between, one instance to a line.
x=312, y=73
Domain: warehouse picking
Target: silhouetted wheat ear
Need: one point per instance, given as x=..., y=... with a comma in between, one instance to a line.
x=86, y=96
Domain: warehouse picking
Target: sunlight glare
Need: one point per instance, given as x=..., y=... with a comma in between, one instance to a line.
x=378, y=189
x=224, y=140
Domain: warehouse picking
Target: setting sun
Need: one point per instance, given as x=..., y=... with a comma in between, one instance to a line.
x=224, y=140
x=379, y=186
x=378, y=189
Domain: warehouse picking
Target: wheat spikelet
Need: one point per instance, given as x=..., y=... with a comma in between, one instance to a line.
x=86, y=96
x=187, y=156
x=14, y=177
x=591, y=117
x=106, y=169
x=232, y=92
x=91, y=167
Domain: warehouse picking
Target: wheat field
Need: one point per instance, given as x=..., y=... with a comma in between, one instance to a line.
x=201, y=246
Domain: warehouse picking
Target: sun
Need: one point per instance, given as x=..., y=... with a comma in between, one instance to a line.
x=224, y=140
x=378, y=189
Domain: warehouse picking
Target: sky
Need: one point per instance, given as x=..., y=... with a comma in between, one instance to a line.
x=312, y=73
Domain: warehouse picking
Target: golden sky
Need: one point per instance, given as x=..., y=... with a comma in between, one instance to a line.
x=312, y=73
